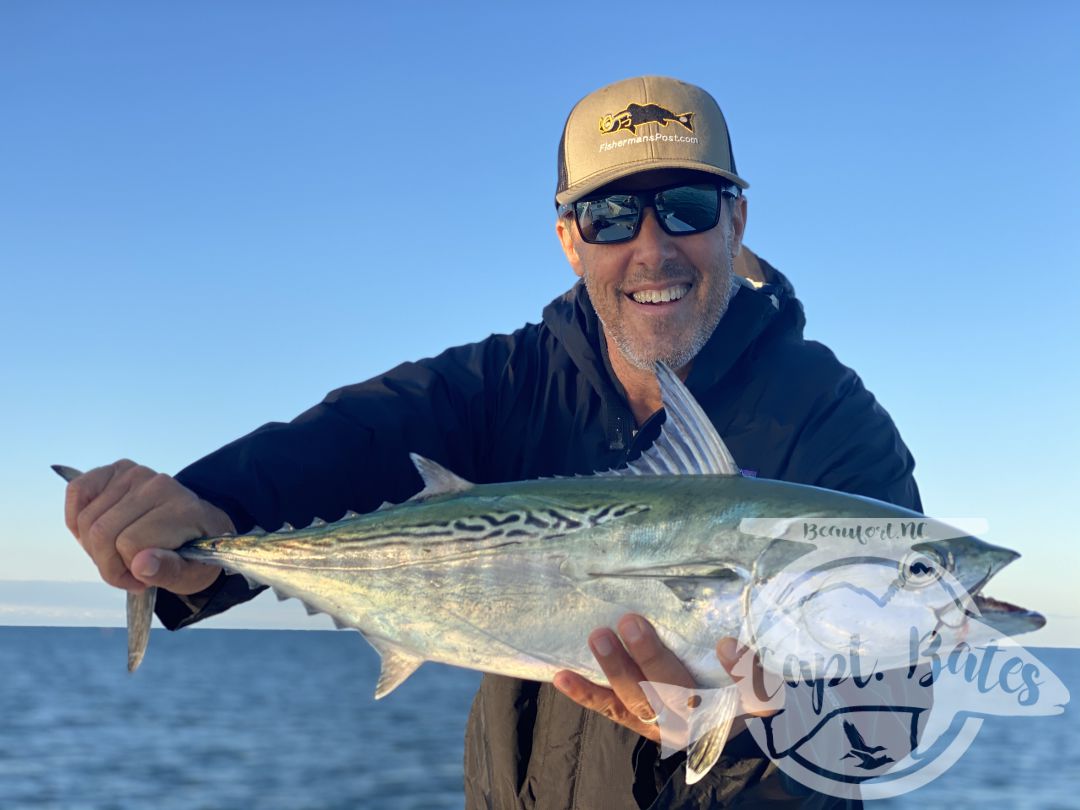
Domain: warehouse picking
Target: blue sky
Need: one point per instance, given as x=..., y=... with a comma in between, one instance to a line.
x=202, y=220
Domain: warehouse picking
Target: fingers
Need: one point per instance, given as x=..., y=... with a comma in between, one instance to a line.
x=89, y=486
x=623, y=673
x=89, y=498
x=168, y=570
x=99, y=516
x=117, y=512
x=655, y=661
x=643, y=658
x=637, y=654
x=604, y=701
x=582, y=690
x=106, y=523
x=145, y=545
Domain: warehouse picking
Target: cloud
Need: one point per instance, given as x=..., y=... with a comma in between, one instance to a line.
x=95, y=604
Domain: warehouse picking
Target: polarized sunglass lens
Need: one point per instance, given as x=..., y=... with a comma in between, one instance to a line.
x=611, y=219
x=689, y=209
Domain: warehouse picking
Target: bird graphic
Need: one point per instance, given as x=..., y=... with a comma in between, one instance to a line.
x=862, y=751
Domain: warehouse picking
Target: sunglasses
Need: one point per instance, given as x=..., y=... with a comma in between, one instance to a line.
x=680, y=210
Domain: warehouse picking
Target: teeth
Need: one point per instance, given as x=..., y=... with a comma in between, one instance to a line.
x=661, y=296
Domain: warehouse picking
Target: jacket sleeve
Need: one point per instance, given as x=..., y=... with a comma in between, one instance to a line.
x=351, y=451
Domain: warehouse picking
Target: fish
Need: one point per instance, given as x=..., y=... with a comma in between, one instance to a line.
x=508, y=578
x=636, y=115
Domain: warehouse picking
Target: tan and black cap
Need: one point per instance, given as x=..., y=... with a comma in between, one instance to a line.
x=649, y=122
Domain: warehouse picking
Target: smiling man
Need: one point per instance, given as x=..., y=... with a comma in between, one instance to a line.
x=651, y=218
x=658, y=297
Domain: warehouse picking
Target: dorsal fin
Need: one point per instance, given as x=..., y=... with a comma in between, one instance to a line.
x=688, y=443
x=437, y=479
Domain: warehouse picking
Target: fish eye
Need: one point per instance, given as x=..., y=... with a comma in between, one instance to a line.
x=920, y=568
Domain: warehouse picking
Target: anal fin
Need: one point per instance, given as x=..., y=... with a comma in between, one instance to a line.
x=699, y=720
x=398, y=664
x=706, y=750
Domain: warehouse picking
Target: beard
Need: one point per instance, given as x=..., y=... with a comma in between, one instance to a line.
x=672, y=342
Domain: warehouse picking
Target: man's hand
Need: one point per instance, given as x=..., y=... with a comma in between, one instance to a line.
x=128, y=518
x=643, y=658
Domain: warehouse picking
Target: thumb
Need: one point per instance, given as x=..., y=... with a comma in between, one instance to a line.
x=761, y=693
x=727, y=650
x=167, y=569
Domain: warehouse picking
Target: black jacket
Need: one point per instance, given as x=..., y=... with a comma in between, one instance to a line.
x=544, y=401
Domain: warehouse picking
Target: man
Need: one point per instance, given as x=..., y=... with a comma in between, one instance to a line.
x=650, y=217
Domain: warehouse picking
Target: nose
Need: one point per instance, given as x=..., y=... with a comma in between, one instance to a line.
x=652, y=246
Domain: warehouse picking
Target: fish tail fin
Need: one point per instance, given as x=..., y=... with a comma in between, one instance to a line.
x=140, y=613
x=140, y=606
x=69, y=474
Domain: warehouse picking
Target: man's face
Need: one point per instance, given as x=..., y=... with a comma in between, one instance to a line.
x=659, y=297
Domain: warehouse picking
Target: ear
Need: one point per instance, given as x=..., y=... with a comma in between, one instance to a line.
x=738, y=225
x=564, y=227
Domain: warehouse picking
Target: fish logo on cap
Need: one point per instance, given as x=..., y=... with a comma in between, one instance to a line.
x=636, y=115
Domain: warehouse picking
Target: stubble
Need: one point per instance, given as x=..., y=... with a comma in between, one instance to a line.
x=673, y=343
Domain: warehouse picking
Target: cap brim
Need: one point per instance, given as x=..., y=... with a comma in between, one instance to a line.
x=601, y=179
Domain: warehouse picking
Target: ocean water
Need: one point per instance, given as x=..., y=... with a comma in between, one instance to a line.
x=223, y=719
x=285, y=719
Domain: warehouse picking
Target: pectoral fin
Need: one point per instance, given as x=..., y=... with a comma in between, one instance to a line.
x=703, y=580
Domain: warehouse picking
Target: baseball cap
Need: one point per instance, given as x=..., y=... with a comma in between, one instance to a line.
x=634, y=125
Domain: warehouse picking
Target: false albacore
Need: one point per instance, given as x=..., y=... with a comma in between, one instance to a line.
x=509, y=578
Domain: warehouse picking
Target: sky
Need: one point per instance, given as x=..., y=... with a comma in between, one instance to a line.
x=211, y=214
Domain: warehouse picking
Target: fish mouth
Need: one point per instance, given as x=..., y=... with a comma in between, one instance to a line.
x=1003, y=617
x=659, y=296
x=1008, y=618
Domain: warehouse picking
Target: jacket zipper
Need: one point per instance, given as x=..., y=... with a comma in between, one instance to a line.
x=586, y=724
